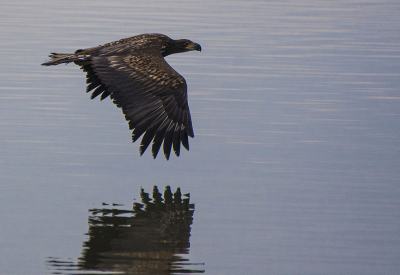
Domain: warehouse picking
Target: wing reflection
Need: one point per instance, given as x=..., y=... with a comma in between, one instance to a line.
x=150, y=239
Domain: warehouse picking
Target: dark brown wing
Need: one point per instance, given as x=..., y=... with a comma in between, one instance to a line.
x=152, y=95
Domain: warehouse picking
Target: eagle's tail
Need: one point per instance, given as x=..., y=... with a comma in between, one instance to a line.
x=59, y=58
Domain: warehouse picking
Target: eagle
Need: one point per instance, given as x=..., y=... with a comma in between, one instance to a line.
x=134, y=74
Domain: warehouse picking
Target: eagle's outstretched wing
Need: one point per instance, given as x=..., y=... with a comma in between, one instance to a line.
x=152, y=95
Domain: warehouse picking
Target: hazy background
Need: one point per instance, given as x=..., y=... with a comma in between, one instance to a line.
x=294, y=168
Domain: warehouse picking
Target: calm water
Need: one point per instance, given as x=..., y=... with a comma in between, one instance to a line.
x=294, y=168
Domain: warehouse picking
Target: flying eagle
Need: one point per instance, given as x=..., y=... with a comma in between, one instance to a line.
x=135, y=75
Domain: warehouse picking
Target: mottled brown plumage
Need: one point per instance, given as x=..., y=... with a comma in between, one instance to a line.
x=152, y=95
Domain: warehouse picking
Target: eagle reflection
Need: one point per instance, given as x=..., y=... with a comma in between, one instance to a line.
x=149, y=239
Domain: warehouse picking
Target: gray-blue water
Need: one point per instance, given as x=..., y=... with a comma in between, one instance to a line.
x=294, y=168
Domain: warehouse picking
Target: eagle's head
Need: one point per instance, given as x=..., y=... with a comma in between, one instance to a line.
x=180, y=46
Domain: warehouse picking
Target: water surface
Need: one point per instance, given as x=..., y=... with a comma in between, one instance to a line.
x=295, y=108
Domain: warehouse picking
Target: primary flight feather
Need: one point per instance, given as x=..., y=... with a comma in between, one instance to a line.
x=135, y=75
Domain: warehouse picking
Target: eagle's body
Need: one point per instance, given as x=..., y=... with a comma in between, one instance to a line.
x=152, y=95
